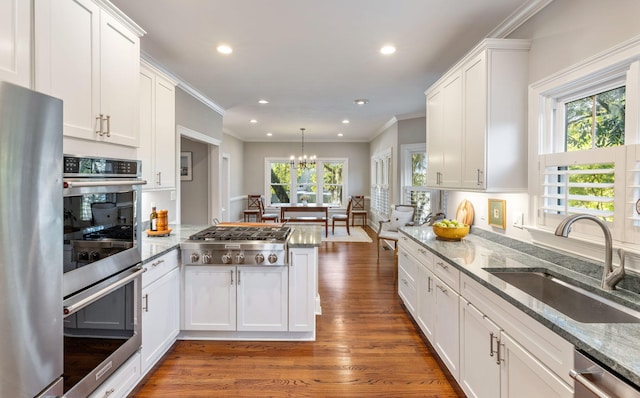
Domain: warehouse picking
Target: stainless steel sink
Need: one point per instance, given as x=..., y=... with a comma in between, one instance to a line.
x=573, y=301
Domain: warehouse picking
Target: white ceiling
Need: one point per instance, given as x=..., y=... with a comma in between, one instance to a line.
x=312, y=58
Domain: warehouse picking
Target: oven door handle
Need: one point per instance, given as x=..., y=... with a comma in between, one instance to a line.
x=76, y=303
x=588, y=384
x=84, y=184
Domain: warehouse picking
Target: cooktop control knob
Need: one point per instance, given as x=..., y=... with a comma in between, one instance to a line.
x=240, y=258
x=206, y=258
x=94, y=256
x=273, y=258
x=259, y=258
x=226, y=258
x=83, y=256
x=195, y=257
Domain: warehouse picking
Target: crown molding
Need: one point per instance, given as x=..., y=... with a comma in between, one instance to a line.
x=517, y=18
x=184, y=85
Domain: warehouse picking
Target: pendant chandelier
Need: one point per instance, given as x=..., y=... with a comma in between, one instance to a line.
x=303, y=162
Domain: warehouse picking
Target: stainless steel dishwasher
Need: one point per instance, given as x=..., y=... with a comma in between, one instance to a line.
x=593, y=380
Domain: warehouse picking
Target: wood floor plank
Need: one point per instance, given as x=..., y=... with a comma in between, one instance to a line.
x=366, y=345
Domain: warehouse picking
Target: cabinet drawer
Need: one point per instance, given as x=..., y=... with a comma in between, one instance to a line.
x=415, y=249
x=407, y=291
x=122, y=381
x=447, y=272
x=158, y=267
x=408, y=264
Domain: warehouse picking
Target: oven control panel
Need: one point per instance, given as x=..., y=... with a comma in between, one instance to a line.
x=76, y=166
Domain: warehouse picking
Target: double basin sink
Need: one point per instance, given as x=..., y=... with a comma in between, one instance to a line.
x=565, y=297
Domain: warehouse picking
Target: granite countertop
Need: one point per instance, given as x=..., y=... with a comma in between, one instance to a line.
x=156, y=246
x=617, y=345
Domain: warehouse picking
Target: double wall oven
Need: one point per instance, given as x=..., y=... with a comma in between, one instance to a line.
x=102, y=269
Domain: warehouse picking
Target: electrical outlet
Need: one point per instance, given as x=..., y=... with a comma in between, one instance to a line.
x=518, y=220
x=173, y=195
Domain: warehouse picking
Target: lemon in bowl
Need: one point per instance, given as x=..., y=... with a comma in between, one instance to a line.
x=450, y=230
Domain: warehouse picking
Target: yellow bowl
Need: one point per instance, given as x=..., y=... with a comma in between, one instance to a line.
x=451, y=233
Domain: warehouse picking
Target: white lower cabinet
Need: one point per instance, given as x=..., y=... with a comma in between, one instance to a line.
x=432, y=302
x=160, y=317
x=492, y=348
x=235, y=298
x=303, y=266
x=494, y=364
x=479, y=365
x=122, y=381
x=524, y=376
x=446, y=325
x=407, y=280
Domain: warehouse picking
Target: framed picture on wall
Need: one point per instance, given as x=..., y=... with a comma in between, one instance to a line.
x=186, y=167
x=497, y=213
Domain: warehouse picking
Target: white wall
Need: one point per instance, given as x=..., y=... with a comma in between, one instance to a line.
x=194, y=194
x=388, y=138
x=235, y=149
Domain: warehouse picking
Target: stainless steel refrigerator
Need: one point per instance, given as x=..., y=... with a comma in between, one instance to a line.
x=31, y=246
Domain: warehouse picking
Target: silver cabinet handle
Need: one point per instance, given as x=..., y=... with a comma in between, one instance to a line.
x=238, y=277
x=155, y=264
x=109, y=392
x=479, y=179
x=99, y=119
x=498, y=350
x=579, y=377
x=423, y=251
x=145, y=307
x=159, y=178
x=108, y=126
x=443, y=265
x=441, y=288
x=428, y=284
x=231, y=272
x=491, y=337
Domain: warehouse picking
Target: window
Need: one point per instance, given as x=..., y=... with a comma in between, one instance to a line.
x=414, y=177
x=380, y=173
x=324, y=183
x=586, y=145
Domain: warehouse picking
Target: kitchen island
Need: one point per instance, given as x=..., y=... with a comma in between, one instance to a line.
x=613, y=344
x=294, y=296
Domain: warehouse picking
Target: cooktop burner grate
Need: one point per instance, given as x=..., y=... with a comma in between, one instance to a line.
x=221, y=233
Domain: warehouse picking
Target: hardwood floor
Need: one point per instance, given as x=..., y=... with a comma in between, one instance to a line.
x=366, y=345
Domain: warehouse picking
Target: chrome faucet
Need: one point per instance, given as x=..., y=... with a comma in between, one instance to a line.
x=610, y=277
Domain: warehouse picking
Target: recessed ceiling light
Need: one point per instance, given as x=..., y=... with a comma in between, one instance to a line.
x=269, y=134
x=224, y=49
x=345, y=121
x=388, y=50
x=340, y=134
x=253, y=121
x=361, y=101
x=263, y=101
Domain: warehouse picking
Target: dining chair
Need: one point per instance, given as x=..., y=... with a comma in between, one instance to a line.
x=342, y=218
x=401, y=215
x=253, y=208
x=358, y=210
x=275, y=217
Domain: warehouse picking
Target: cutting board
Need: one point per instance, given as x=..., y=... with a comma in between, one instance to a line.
x=465, y=213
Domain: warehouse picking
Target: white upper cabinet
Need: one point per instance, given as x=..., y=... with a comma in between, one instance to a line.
x=90, y=58
x=157, y=149
x=476, y=120
x=15, y=36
